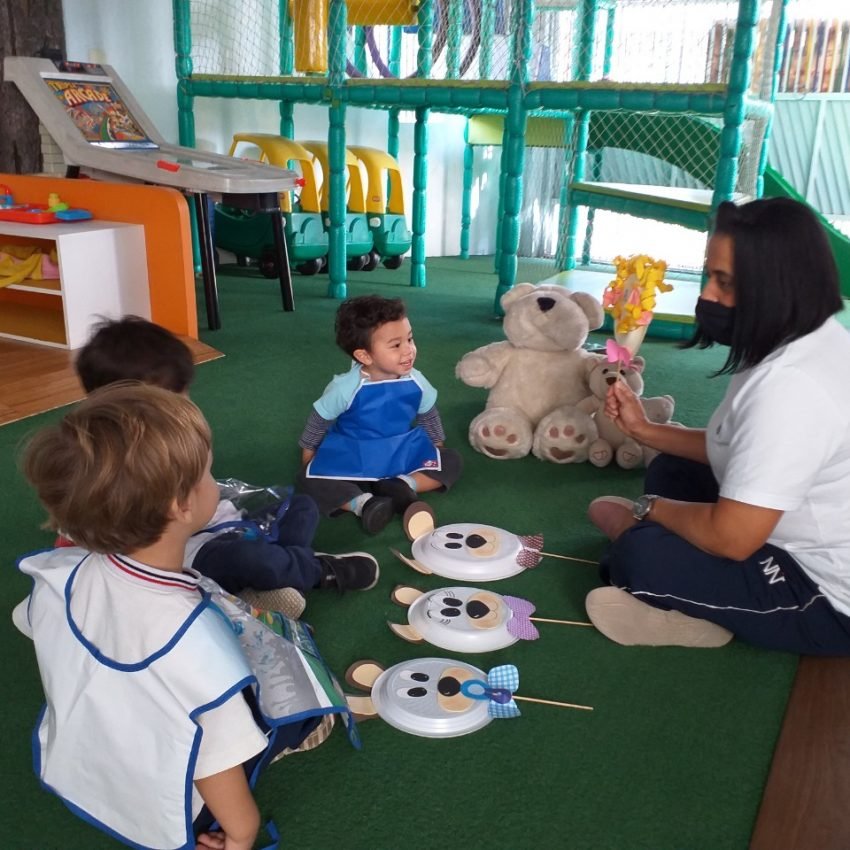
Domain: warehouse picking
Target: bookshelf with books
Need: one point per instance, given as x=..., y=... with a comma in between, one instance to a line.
x=816, y=57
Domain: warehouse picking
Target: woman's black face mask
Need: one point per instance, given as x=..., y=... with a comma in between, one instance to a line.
x=716, y=321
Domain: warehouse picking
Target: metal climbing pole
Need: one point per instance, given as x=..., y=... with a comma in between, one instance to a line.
x=420, y=150
x=185, y=101
x=336, y=150
x=393, y=117
x=736, y=102
x=514, y=146
x=466, y=202
x=587, y=38
x=597, y=154
x=287, y=66
x=778, y=20
x=183, y=66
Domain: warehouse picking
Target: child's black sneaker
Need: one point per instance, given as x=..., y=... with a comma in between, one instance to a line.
x=376, y=513
x=349, y=571
x=399, y=491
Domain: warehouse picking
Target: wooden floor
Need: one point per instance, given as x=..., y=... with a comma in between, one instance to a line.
x=35, y=378
x=804, y=801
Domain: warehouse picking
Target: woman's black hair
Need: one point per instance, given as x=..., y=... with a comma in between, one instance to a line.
x=785, y=278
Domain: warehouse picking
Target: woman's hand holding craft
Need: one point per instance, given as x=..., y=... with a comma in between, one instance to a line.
x=624, y=407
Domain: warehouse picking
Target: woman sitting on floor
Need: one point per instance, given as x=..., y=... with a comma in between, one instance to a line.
x=745, y=528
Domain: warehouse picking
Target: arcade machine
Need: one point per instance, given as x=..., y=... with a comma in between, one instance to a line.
x=100, y=127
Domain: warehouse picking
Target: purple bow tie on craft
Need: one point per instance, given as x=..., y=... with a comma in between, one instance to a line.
x=618, y=353
x=529, y=556
x=502, y=682
x=520, y=625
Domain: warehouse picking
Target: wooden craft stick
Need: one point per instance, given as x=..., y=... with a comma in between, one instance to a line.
x=568, y=558
x=560, y=622
x=553, y=702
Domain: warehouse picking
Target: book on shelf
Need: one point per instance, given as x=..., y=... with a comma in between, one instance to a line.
x=815, y=55
x=806, y=53
x=728, y=49
x=813, y=83
x=760, y=69
x=796, y=51
x=782, y=82
x=842, y=71
x=714, y=51
x=829, y=58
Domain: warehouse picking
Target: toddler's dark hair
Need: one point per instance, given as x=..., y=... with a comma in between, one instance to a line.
x=134, y=349
x=358, y=318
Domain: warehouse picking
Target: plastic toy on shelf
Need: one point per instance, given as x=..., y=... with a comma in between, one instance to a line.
x=248, y=233
x=54, y=212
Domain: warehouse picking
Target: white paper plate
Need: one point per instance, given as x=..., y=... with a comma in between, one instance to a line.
x=422, y=697
x=462, y=619
x=469, y=552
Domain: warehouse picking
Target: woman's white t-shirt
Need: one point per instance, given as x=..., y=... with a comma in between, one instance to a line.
x=780, y=439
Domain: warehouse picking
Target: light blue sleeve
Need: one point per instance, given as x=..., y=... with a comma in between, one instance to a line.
x=429, y=394
x=338, y=394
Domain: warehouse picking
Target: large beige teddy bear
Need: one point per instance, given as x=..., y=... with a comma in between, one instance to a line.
x=537, y=378
x=612, y=443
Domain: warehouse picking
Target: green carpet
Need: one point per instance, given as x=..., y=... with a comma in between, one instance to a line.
x=675, y=754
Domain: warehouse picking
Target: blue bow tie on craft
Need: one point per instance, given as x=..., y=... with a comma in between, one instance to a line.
x=499, y=688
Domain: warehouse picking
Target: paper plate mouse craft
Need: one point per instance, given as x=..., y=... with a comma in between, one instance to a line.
x=467, y=619
x=437, y=697
x=468, y=551
x=431, y=697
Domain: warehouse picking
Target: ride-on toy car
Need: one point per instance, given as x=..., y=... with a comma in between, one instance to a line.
x=385, y=208
x=358, y=236
x=249, y=234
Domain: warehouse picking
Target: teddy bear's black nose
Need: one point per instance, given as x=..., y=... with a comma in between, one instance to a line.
x=545, y=303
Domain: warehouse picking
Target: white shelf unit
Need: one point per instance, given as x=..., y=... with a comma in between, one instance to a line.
x=102, y=274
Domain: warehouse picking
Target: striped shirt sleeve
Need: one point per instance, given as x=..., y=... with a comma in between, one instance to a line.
x=432, y=425
x=314, y=431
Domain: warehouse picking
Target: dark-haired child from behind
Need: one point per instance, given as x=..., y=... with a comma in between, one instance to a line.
x=373, y=442
x=273, y=571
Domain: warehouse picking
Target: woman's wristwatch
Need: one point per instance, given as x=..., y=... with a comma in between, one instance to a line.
x=642, y=506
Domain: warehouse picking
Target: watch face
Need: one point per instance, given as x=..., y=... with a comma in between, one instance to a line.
x=642, y=506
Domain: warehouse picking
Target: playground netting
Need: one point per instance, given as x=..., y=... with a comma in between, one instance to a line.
x=631, y=41
x=670, y=99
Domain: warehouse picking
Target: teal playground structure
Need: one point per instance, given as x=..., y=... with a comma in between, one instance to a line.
x=775, y=185
x=660, y=109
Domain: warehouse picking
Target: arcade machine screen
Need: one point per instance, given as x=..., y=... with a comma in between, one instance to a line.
x=96, y=108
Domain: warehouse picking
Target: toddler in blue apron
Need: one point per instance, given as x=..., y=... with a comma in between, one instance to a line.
x=374, y=440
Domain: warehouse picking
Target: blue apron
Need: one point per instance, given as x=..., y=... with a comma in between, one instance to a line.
x=373, y=439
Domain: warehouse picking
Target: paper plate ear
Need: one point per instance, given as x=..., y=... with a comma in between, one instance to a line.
x=361, y=707
x=418, y=519
x=405, y=595
x=407, y=633
x=413, y=564
x=362, y=674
